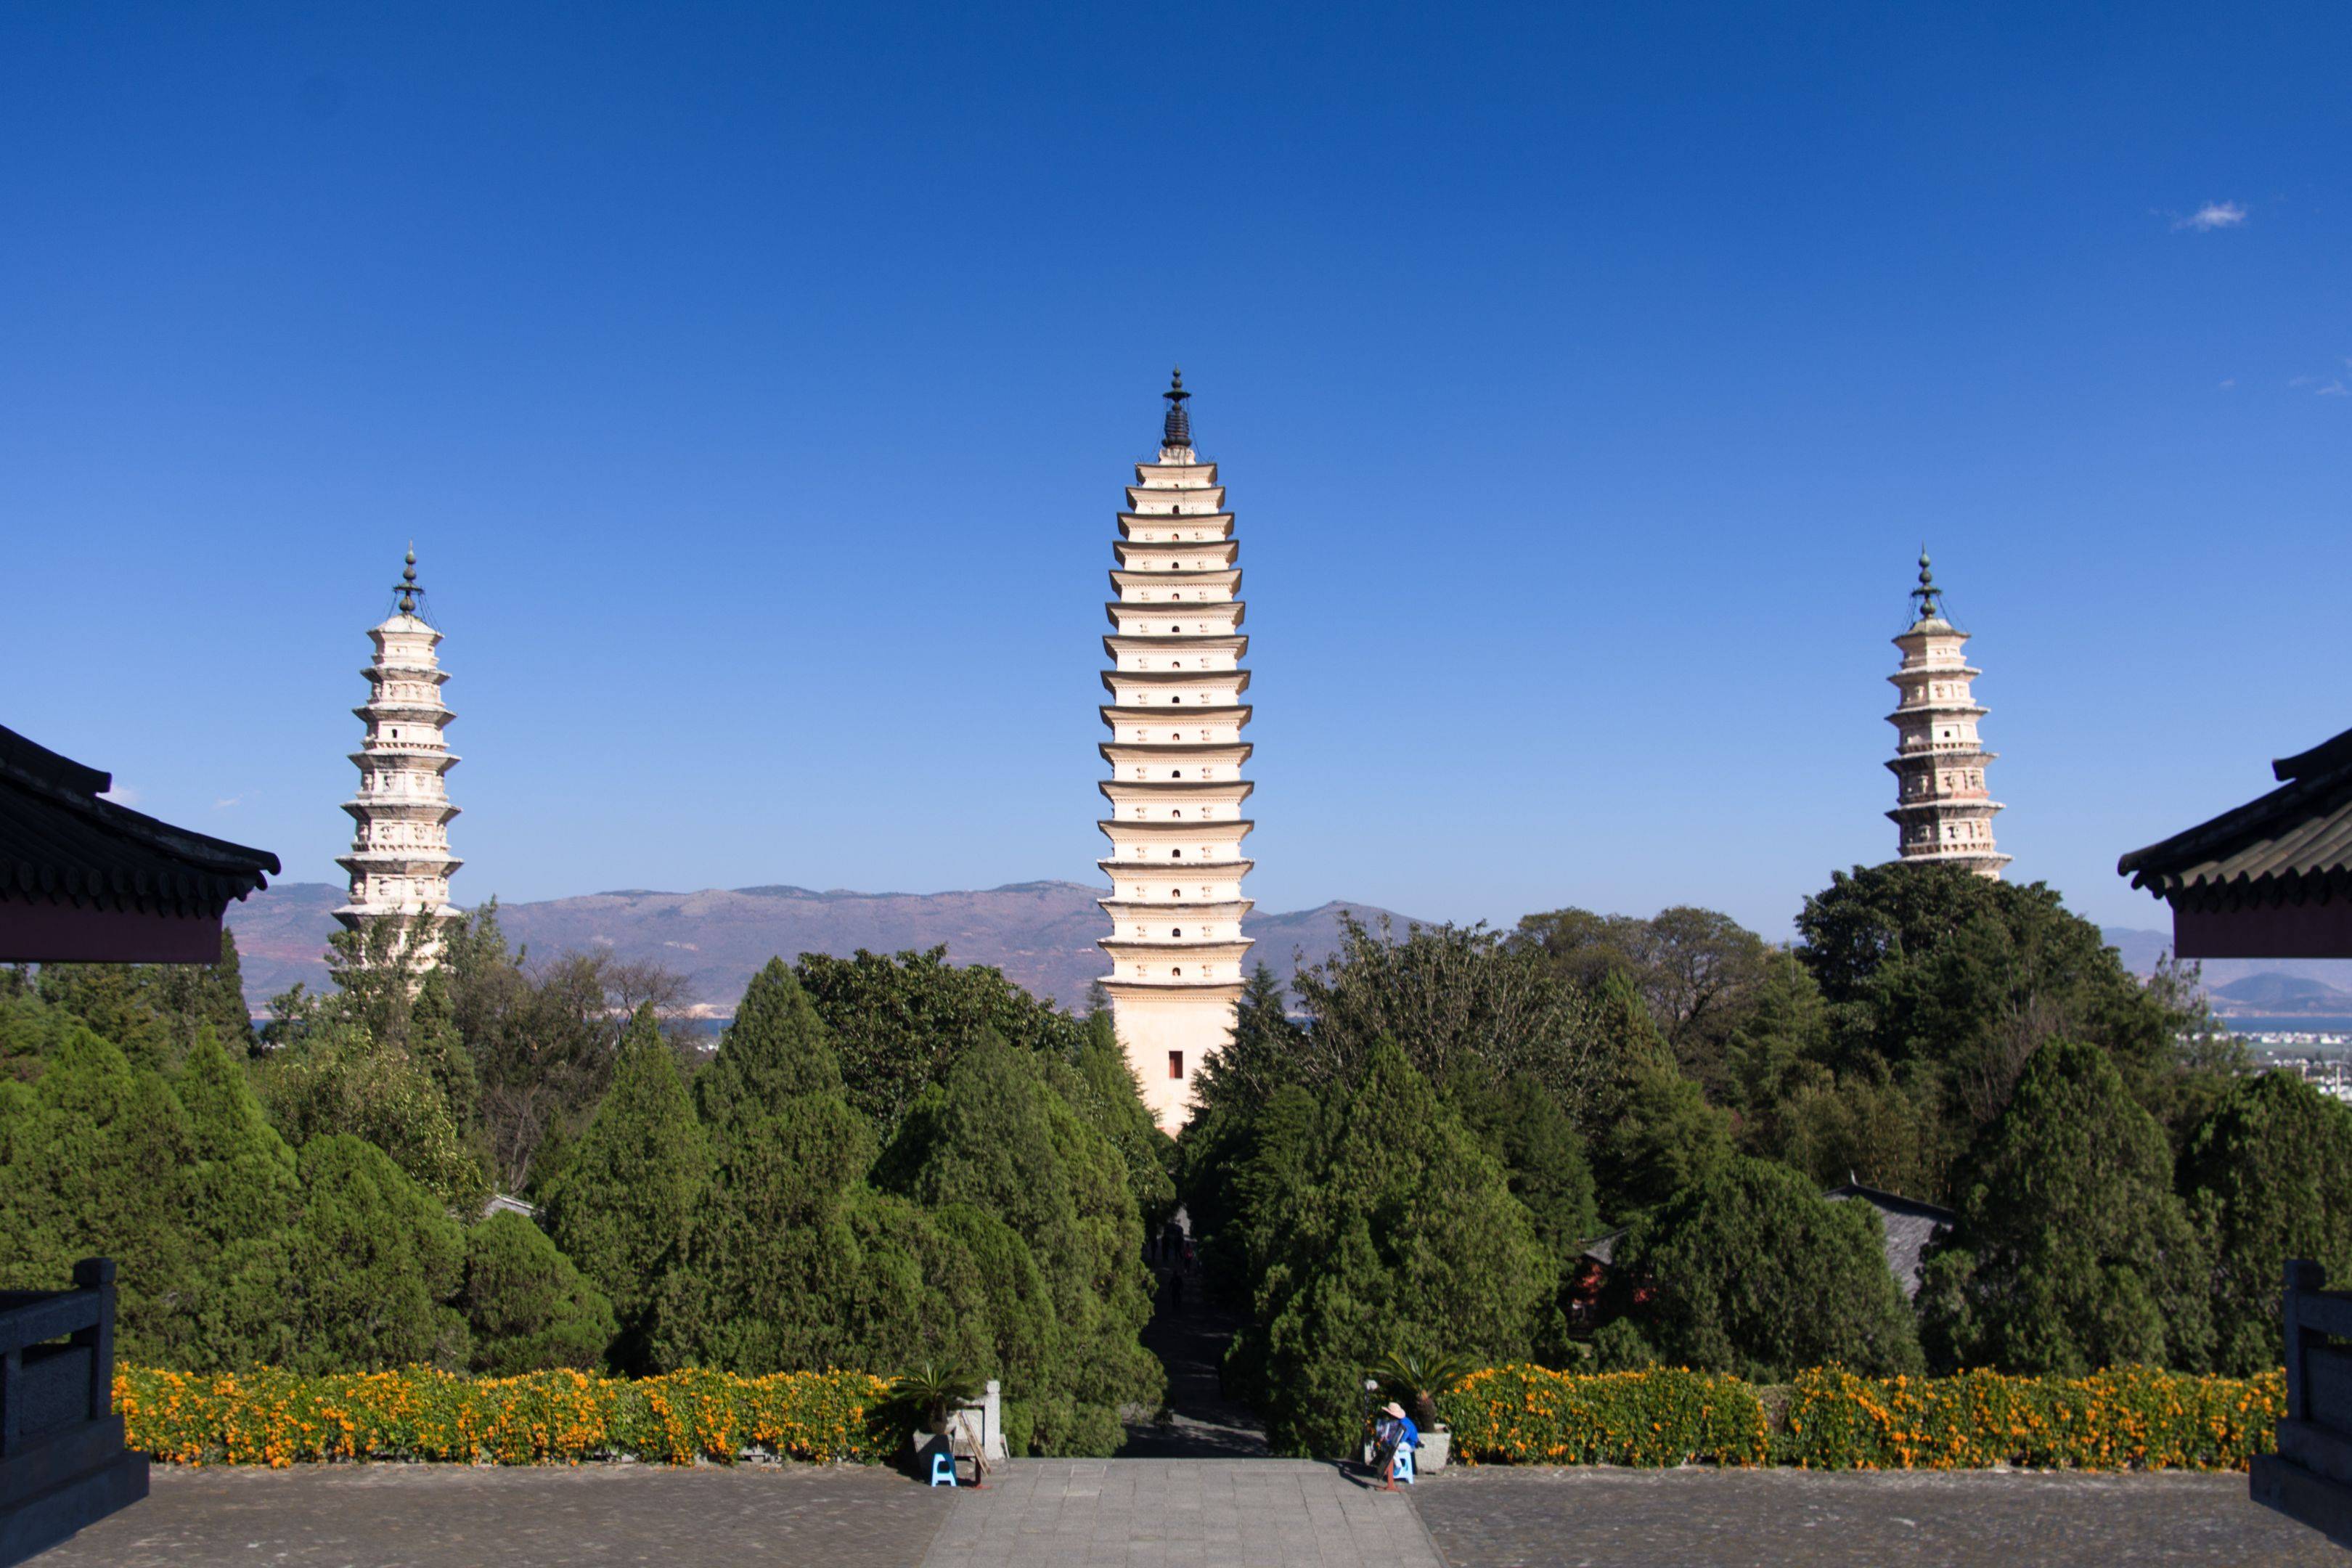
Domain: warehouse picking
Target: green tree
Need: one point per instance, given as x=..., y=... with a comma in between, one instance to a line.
x=1966, y=977
x=335, y=1077
x=2269, y=1177
x=1543, y=1159
x=631, y=1185
x=999, y=1136
x=1266, y=1052
x=1450, y=999
x=1655, y=1134
x=1864, y=1127
x=901, y=1021
x=116, y=1001
x=1752, y=1272
x=1698, y=971
x=527, y=1306
x=2071, y=1252
x=1408, y=1240
x=243, y=1194
x=94, y=1158
x=373, y=1262
x=193, y=997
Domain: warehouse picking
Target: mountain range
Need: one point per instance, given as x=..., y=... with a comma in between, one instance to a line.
x=1040, y=934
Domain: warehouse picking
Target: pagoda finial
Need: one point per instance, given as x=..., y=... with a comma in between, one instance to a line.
x=408, y=589
x=1176, y=430
x=1927, y=593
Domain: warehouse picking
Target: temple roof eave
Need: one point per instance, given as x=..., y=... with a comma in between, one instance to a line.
x=1112, y=608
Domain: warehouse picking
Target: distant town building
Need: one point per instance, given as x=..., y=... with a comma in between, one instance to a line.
x=1176, y=790
x=1943, y=814
x=400, y=862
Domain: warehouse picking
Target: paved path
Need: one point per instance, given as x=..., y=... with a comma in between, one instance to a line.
x=459, y=1516
x=1506, y=1518
x=1267, y=1514
x=1189, y=1339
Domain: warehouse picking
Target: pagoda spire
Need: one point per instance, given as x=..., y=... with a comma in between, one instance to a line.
x=400, y=863
x=1176, y=793
x=1943, y=812
x=1176, y=429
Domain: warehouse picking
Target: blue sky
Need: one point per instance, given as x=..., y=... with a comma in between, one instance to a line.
x=757, y=383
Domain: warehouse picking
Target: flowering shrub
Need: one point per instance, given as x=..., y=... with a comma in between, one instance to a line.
x=1658, y=1417
x=278, y=1419
x=2133, y=1418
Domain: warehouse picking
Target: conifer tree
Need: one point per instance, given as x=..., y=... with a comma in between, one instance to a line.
x=244, y=1196
x=2269, y=1177
x=1409, y=1240
x=373, y=1262
x=1755, y=1273
x=2071, y=1252
x=93, y=1160
x=193, y=997
x=630, y=1185
x=997, y=1137
x=527, y=1306
x=334, y=1076
x=1655, y=1134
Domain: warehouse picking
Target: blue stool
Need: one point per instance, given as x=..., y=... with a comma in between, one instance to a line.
x=1404, y=1465
x=943, y=1469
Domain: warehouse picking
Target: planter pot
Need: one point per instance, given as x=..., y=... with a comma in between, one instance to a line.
x=1436, y=1447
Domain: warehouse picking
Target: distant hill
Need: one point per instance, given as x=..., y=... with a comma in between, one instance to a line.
x=2254, y=986
x=1040, y=934
x=2272, y=993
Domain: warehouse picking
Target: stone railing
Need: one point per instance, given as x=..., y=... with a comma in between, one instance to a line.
x=62, y=1463
x=2309, y=1479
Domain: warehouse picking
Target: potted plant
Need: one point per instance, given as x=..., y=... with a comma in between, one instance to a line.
x=1415, y=1382
x=924, y=1396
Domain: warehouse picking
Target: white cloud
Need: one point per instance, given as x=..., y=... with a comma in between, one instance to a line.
x=2214, y=215
x=225, y=805
x=2332, y=389
x=121, y=794
x=2228, y=383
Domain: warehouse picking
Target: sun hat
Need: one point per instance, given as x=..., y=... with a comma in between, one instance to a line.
x=1393, y=1408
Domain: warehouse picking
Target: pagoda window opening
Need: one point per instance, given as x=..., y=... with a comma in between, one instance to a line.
x=1176, y=1064
x=1177, y=971
x=1176, y=854
x=1176, y=930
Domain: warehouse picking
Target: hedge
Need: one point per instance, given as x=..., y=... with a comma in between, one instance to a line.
x=278, y=1419
x=1527, y=1415
x=2133, y=1418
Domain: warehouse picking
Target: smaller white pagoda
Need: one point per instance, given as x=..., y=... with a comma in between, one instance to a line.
x=1943, y=812
x=400, y=862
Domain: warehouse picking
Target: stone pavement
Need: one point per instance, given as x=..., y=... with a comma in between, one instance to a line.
x=1269, y=1513
x=1061, y=1513
x=1506, y=1518
x=460, y=1516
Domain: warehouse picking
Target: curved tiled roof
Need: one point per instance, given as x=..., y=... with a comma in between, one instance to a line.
x=2291, y=845
x=60, y=843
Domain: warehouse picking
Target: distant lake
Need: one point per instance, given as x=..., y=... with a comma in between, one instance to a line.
x=2316, y=1023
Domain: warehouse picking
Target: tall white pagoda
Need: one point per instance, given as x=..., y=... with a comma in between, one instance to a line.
x=1175, y=789
x=1943, y=814
x=400, y=862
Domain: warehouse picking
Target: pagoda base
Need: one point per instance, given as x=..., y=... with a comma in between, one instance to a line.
x=1169, y=1033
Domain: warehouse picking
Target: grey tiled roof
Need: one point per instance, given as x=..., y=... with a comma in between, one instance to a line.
x=60, y=843
x=1911, y=1227
x=2290, y=845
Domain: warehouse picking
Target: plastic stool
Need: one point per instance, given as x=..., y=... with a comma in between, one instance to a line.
x=943, y=1469
x=1404, y=1465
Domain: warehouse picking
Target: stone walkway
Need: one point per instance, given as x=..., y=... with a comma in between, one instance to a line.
x=1062, y=1513
x=460, y=1516
x=1518, y=1518
x=1189, y=1339
x=1267, y=1514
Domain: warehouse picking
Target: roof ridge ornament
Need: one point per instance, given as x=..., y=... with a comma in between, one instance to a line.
x=1176, y=430
x=1927, y=593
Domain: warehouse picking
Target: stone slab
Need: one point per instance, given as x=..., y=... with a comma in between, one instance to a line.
x=1207, y=1513
x=1603, y=1518
x=461, y=1516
